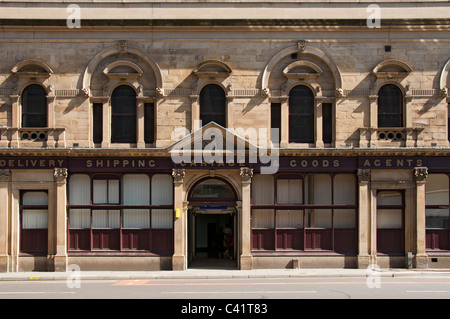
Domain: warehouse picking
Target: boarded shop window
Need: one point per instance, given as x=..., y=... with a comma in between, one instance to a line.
x=124, y=212
x=437, y=212
x=34, y=106
x=34, y=223
x=301, y=115
x=213, y=105
x=390, y=106
x=123, y=115
x=309, y=212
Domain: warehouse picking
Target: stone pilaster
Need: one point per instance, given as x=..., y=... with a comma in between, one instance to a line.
x=179, y=260
x=4, y=211
x=246, y=259
x=60, y=259
x=364, y=222
x=421, y=258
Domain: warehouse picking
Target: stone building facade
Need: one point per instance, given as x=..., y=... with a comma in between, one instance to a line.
x=110, y=128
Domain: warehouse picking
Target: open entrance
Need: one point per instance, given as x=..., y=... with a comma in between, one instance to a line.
x=212, y=225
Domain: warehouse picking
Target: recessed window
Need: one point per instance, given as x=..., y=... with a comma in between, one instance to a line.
x=123, y=117
x=34, y=106
x=213, y=105
x=301, y=115
x=390, y=106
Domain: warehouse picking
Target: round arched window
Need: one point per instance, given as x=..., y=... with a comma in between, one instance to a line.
x=212, y=189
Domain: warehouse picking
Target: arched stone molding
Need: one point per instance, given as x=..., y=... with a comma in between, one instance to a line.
x=26, y=73
x=393, y=72
x=301, y=49
x=443, y=85
x=122, y=48
x=308, y=69
x=210, y=72
x=230, y=180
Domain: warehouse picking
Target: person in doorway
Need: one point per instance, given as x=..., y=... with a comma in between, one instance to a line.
x=229, y=242
x=220, y=238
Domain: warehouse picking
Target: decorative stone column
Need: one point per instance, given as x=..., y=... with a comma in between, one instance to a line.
x=373, y=126
x=16, y=111
x=60, y=259
x=179, y=260
x=140, y=120
x=106, y=101
x=364, y=220
x=246, y=259
x=4, y=211
x=284, y=130
x=420, y=176
x=318, y=118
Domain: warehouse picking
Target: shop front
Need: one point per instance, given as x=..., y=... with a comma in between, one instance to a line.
x=149, y=213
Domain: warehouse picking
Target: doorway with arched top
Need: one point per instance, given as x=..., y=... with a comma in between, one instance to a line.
x=212, y=225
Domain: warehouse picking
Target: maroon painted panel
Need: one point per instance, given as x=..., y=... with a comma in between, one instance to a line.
x=345, y=241
x=437, y=239
x=136, y=239
x=263, y=239
x=290, y=239
x=79, y=239
x=390, y=241
x=162, y=241
x=34, y=241
x=108, y=239
x=318, y=239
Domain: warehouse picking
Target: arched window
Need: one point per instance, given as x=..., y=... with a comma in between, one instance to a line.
x=390, y=106
x=213, y=105
x=34, y=106
x=123, y=115
x=301, y=115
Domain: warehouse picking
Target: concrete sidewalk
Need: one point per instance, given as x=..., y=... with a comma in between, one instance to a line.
x=222, y=274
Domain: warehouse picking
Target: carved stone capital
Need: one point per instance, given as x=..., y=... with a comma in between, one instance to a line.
x=246, y=174
x=420, y=174
x=60, y=175
x=364, y=175
x=178, y=175
x=4, y=175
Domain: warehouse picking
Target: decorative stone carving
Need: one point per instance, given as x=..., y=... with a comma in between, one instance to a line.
x=265, y=92
x=246, y=174
x=443, y=92
x=84, y=92
x=339, y=92
x=301, y=46
x=364, y=175
x=4, y=175
x=60, y=175
x=123, y=46
x=178, y=175
x=420, y=174
x=159, y=91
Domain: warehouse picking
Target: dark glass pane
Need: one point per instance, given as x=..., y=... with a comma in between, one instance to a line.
x=301, y=115
x=149, y=125
x=212, y=105
x=390, y=106
x=123, y=118
x=275, y=115
x=212, y=188
x=97, y=122
x=327, y=122
x=34, y=106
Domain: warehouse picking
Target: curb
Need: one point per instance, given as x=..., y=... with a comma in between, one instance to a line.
x=198, y=274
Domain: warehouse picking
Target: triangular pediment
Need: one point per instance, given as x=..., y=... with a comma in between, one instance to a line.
x=215, y=141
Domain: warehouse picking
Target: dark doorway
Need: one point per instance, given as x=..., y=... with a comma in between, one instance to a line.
x=212, y=239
